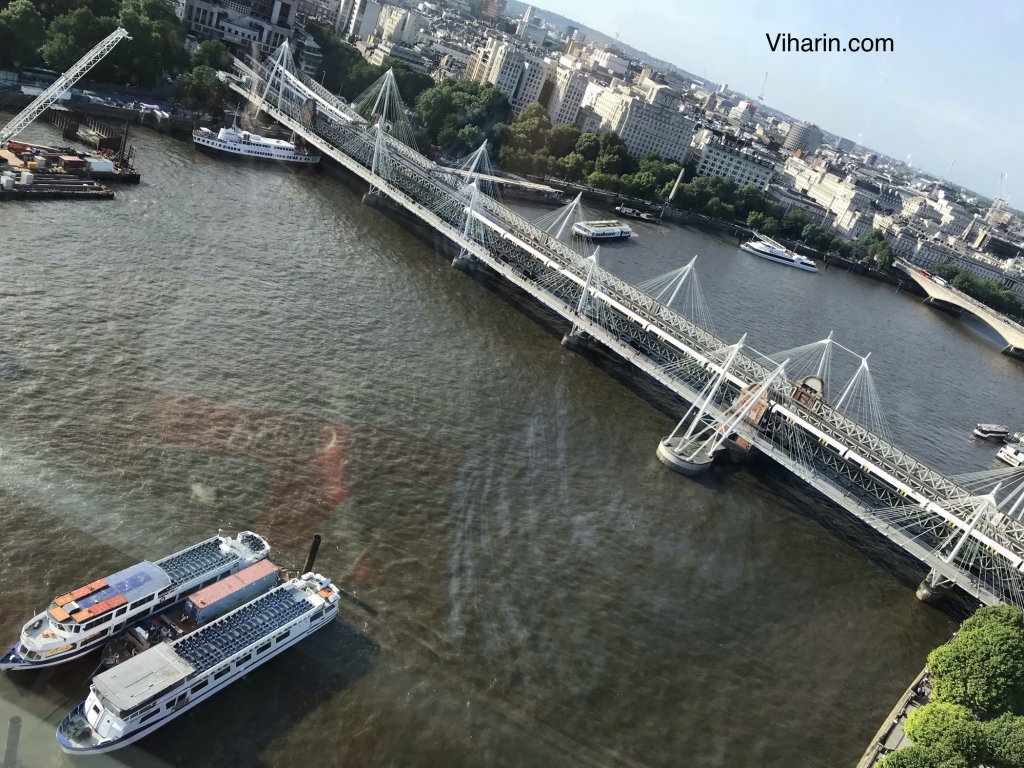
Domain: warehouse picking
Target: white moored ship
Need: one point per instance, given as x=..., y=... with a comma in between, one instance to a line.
x=767, y=248
x=1012, y=454
x=238, y=143
x=147, y=691
x=80, y=621
x=991, y=431
x=611, y=229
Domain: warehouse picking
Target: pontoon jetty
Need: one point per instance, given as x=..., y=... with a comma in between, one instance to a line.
x=80, y=621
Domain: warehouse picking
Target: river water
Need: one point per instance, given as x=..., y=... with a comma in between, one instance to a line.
x=234, y=347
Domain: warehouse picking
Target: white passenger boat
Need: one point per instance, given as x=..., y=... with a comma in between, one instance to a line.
x=238, y=143
x=767, y=248
x=199, y=608
x=1012, y=454
x=81, y=621
x=611, y=229
x=991, y=431
x=146, y=692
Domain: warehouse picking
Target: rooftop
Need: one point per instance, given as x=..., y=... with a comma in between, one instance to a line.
x=142, y=677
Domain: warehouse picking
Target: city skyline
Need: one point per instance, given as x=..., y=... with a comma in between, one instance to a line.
x=945, y=93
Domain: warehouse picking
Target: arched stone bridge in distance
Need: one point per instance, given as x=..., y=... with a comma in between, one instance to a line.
x=954, y=302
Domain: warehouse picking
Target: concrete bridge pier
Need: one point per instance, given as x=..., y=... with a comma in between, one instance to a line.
x=944, y=306
x=372, y=198
x=576, y=342
x=1015, y=352
x=933, y=588
x=465, y=262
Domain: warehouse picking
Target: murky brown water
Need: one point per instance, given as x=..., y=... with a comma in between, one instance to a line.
x=229, y=347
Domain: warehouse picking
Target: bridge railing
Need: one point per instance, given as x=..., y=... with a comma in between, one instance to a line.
x=916, y=474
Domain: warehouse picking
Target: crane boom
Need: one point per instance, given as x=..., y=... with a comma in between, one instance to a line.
x=62, y=83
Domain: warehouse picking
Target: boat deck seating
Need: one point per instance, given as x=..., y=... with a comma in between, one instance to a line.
x=253, y=542
x=195, y=562
x=208, y=647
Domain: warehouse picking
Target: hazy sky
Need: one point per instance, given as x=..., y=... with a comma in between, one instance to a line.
x=953, y=87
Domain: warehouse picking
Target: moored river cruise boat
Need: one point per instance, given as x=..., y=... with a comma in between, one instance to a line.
x=991, y=431
x=1012, y=454
x=84, y=619
x=238, y=143
x=146, y=692
x=768, y=249
x=612, y=229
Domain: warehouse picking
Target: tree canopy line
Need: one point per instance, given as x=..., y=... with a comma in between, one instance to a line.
x=56, y=33
x=989, y=292
x=976, y=714
x=454, y=116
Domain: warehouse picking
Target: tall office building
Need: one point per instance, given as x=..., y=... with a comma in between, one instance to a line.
x=802, y=136
x=648, y=119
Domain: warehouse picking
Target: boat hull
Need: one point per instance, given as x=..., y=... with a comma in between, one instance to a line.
x=217, y=148
x=1013, y=458
x=140, y=733
x=996, y=437
x=13, y=661
x=602, y=238
x=775, y=260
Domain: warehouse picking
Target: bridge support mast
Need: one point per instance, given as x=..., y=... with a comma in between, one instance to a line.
x=575, y=338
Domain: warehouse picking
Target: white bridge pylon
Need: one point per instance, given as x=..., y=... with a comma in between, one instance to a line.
x=848, y=462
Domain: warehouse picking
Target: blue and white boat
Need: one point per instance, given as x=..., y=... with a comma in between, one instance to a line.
x=87, y=618
x=140, y=695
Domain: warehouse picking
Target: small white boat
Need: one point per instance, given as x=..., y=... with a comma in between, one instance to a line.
x=137, y=697
x=610, y=229
x=238, y=143
x=80, y=621
x=991, y=431
x=767, y=248
x=1012, y=454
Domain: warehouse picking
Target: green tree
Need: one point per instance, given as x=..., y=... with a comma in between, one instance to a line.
x=947, y=726
x=71, y=34
x=1004, y=742
x=529, y=130
x=211, y=53
x=450, y=106
x=793, y=222
x=922, y=757
x=201, y=88
x=575, y=166
x=588, y=146
x=606, y=181
x=981, y=669
x=643, y=184
x=22, y=31
x=562, y=139
x=716, y=209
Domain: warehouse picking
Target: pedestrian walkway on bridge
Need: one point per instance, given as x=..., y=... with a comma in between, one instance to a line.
x=839, y=444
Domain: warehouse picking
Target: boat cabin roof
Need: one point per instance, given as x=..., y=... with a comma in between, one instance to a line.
x=126, y=586
x=142, y=677
x=994, y=427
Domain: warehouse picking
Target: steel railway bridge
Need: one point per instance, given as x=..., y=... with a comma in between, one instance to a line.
x=965, y=530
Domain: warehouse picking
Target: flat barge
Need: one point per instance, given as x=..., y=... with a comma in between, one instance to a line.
x=135, y=698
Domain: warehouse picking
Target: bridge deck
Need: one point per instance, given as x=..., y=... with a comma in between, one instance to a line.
x=420, y=187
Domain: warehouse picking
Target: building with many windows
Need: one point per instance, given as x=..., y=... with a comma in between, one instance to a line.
x=742, y=166
x=241, y=24
x=566, y=95
x=523, y=74
x=648, y=120
x=398, y=25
